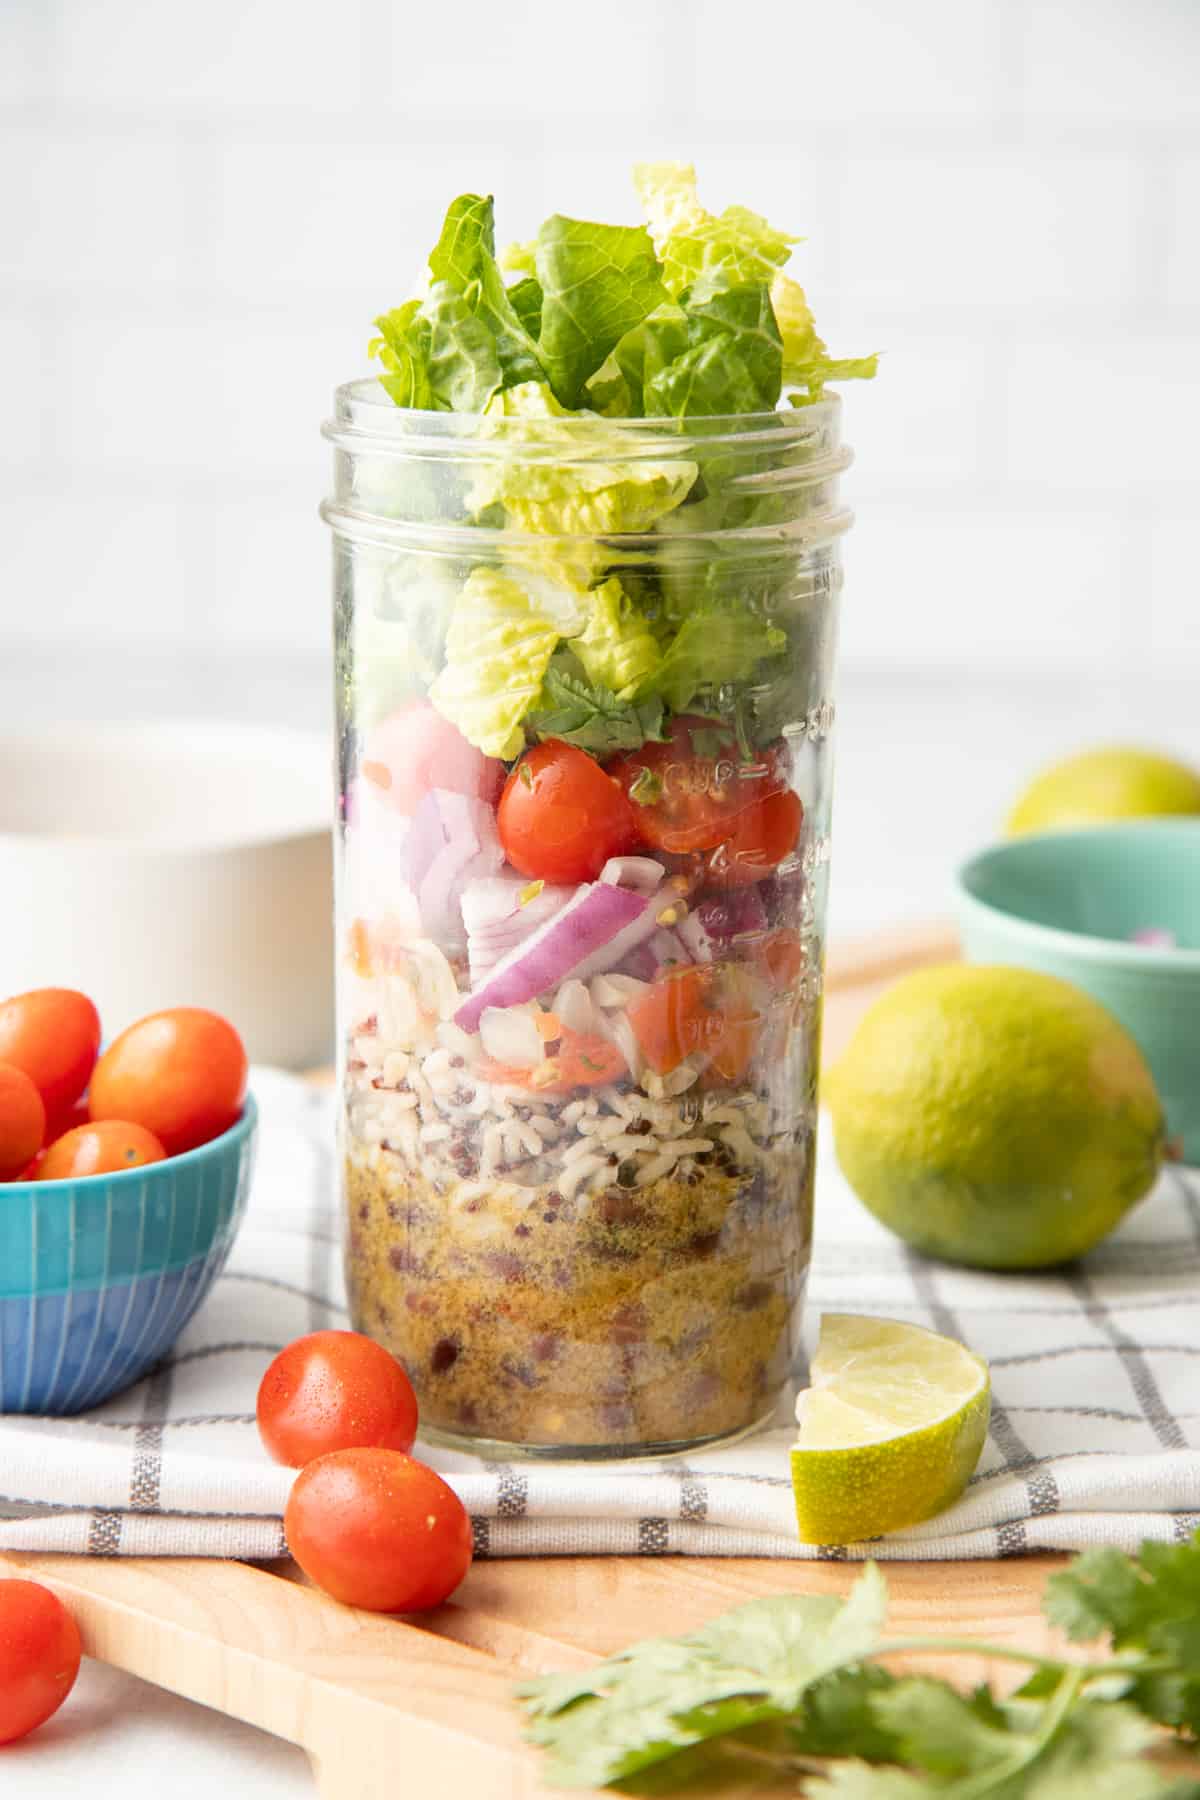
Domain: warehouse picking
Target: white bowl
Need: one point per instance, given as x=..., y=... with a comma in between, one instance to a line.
x=173, y=865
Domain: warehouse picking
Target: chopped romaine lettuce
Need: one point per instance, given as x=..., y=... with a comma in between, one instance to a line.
x=573, y=498
x=617, y=648
x=712, y=647
x=597, y=281
x=696, y=246
x=498, y=647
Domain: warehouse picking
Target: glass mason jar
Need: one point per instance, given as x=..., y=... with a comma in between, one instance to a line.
x=578, y=1118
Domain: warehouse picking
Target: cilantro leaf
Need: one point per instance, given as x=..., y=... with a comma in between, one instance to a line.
x=597, y=281
x=839, y=1717
x=588, y=715
x=1095, y=1753
x=666, y=1694
x=1150, y=1603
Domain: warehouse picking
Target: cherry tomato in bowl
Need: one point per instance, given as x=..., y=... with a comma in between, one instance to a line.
x=102, y=1149
x=181, y=1074
x=22, y=1121
x=377, y=1529
x=334, y=1390
x=561, y=816
x=53, y=1034
x=39, y=1657
x=699, y=796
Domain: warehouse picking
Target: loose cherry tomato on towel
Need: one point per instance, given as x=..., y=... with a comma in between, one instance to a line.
x=334, y=1390
x=377, y=1529
x=53, y=1034
x=102, y=1149
x=39, y=1656
x=561, y=817
x=181, y=1074
x=22, y=1121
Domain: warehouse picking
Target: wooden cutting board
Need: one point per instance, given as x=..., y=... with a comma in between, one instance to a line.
x=385, y=1703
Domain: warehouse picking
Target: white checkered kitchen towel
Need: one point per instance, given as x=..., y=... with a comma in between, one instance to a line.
x=1095, y=1429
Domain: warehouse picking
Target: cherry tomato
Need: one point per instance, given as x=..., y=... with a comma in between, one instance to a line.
x=377, y=1529
x=181, y=1074
x=102, y=1149
x=39, y=1656
x=699, y=793
x=561, y=817
x=22, y=1121
x=54, y=1035
x=575, y=1059
x=711, y=1010
x=334, y=1390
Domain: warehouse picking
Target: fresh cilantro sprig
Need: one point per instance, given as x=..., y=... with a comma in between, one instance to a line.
x=792, y=1684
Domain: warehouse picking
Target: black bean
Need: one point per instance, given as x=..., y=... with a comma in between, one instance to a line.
x=444, y=1356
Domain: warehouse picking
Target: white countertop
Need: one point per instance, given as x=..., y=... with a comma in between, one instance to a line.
x=925, y=770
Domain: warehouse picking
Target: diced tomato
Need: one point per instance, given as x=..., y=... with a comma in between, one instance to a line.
x=699, y=795
x=781, y=955
x=579, y=1059
x=712, y=1010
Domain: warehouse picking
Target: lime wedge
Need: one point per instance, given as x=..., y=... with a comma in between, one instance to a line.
x=890, y=1430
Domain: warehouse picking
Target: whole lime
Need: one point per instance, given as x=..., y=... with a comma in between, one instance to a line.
x=995, y=1116
x=1105, y=784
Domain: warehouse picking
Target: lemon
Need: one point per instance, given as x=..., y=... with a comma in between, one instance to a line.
x=1105, y=784
x=890, y=1430
x=995, y=1116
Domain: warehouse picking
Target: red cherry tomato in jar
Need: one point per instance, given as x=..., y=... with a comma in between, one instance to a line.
x=377, y=1529
x=334, y=1390
x=39, y=1657
x=181, y=1074
x=53, y=1034
x=711, y=1010
x=699, y=793
x=561, y=816
x=102, y=1149
x=22, y=1121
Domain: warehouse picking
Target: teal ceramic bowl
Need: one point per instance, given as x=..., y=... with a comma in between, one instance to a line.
x=98, y=1277
x=1069, y=903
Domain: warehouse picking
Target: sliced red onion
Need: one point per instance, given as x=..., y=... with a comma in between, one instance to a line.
x=708, y=928
x=641, y=963
x=500, y=913
x=510, y=1035
x=616, y=1028
x=641, y=873
x=452, y=841
x=669, y=953
x=617, y=990
x=591, y=932
x=573, y=1007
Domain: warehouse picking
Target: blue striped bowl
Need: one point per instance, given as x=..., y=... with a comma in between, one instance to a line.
x=98, y=1277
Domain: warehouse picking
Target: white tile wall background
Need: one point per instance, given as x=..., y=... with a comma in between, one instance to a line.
x=204, y=205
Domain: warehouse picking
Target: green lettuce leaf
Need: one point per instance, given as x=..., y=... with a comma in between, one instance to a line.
x=591, y=716
x=617, y=648
x=694, y=245
x=403, y=348
x=713, y=353
x=702, y=250
x=597, y=282
x=526, y=299
x=498, y=647
x=465, y=258
x=462, y=367
x=712, y=647
x=586, y=501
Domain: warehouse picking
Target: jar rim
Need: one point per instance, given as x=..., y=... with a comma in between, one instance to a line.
x=367, y=419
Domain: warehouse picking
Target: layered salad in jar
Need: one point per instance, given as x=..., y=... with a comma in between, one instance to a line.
x=585, y=810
